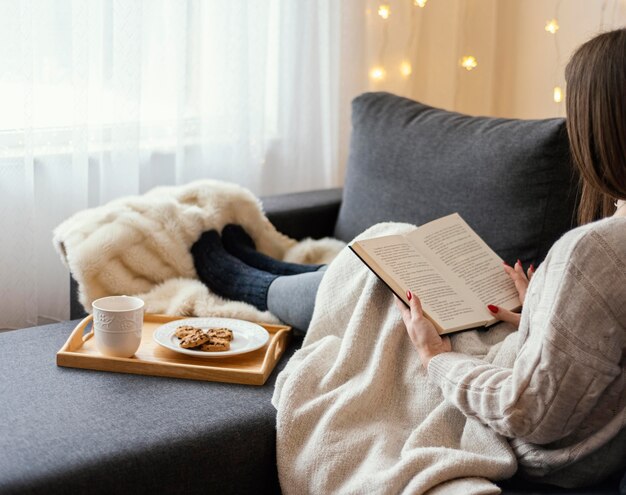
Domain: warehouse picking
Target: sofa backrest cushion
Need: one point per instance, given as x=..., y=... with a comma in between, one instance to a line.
x=511, y=180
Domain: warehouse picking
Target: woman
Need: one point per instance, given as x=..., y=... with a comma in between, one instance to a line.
x=567, y=387
x=566, y=391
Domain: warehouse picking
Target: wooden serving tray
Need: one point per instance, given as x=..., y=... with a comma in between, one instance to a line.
x=251, y=368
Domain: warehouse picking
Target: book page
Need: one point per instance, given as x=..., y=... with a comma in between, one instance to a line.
x=441, y=301
x=453, y=246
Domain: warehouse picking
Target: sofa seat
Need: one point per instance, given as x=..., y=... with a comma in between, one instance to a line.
x=66, y=430
x=408, y=162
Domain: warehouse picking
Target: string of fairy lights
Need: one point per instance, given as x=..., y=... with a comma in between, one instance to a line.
x=378, y=72
x=551, y=28
x=468, y=61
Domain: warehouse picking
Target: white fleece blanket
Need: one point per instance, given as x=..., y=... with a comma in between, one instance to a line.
x=139, y=245
x=356, y=411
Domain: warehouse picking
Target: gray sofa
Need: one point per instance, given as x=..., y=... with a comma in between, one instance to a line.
x=75, y=431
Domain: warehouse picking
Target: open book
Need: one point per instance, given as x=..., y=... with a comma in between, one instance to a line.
x=453, y=272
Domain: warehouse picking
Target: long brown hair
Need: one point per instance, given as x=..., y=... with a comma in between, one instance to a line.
x=596, y=122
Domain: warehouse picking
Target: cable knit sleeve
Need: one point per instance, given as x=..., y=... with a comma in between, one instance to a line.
x=571, y=338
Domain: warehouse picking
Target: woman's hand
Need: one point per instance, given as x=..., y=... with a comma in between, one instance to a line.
x=521, y=281
x=422, y=332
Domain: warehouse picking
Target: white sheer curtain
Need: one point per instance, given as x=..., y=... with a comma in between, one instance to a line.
x=105, y=98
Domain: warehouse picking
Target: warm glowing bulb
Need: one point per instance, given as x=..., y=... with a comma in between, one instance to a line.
x=405, y=69
x=384, y=10
x=420, y=3
x=552, y=26
x=469, y=62
x=558, y=94
x=377, y=73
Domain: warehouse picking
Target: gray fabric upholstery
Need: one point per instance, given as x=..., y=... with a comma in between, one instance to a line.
x=304, y=214
x=511, y=180
x=518, y=486
x=67, y=430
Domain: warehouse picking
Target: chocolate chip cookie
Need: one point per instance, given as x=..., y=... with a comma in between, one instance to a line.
x=220, y=333
x=184, y=330
x=216, y=345
x=194, y=339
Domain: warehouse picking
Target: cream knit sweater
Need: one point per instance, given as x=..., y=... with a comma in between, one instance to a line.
x=564, y=400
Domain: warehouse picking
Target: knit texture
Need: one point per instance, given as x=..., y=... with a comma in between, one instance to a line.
x=238, y=243
x=228, y=276
x=564, y=398
x=358, y=414
x=356, y=411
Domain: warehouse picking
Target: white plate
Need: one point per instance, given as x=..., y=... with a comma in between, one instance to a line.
x=247, y=336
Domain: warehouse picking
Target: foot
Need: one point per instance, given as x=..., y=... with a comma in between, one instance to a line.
x=238, y=243
x=227, y=275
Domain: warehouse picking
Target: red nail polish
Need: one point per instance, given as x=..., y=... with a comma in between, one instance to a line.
x=505, y=263
x=409, y=295
x=519, y=262
x=532, y=267
x=492, y=308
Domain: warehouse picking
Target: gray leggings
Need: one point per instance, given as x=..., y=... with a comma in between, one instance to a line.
x=292, y=298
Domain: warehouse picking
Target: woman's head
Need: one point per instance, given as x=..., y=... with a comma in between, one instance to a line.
x=596, y=121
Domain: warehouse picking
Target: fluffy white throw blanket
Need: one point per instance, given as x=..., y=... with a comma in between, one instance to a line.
x=140, y=245
x=356, y=412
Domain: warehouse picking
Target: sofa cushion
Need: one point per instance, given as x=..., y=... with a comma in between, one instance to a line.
x=511, y=180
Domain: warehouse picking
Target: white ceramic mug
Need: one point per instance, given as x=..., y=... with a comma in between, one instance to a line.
x=117, y=325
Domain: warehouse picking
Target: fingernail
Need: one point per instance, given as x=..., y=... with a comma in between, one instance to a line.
x=532, y=267
x=409, y=295
x=505, y=263
x=519, y=262
x=492, y=308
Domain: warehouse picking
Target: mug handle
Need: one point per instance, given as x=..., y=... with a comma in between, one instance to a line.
x=78, y=336
x=90, y=333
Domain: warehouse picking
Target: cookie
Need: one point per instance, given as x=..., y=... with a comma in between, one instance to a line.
x=194, y=339
x=184, y=330
x=220, y=333
x=216, y=345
